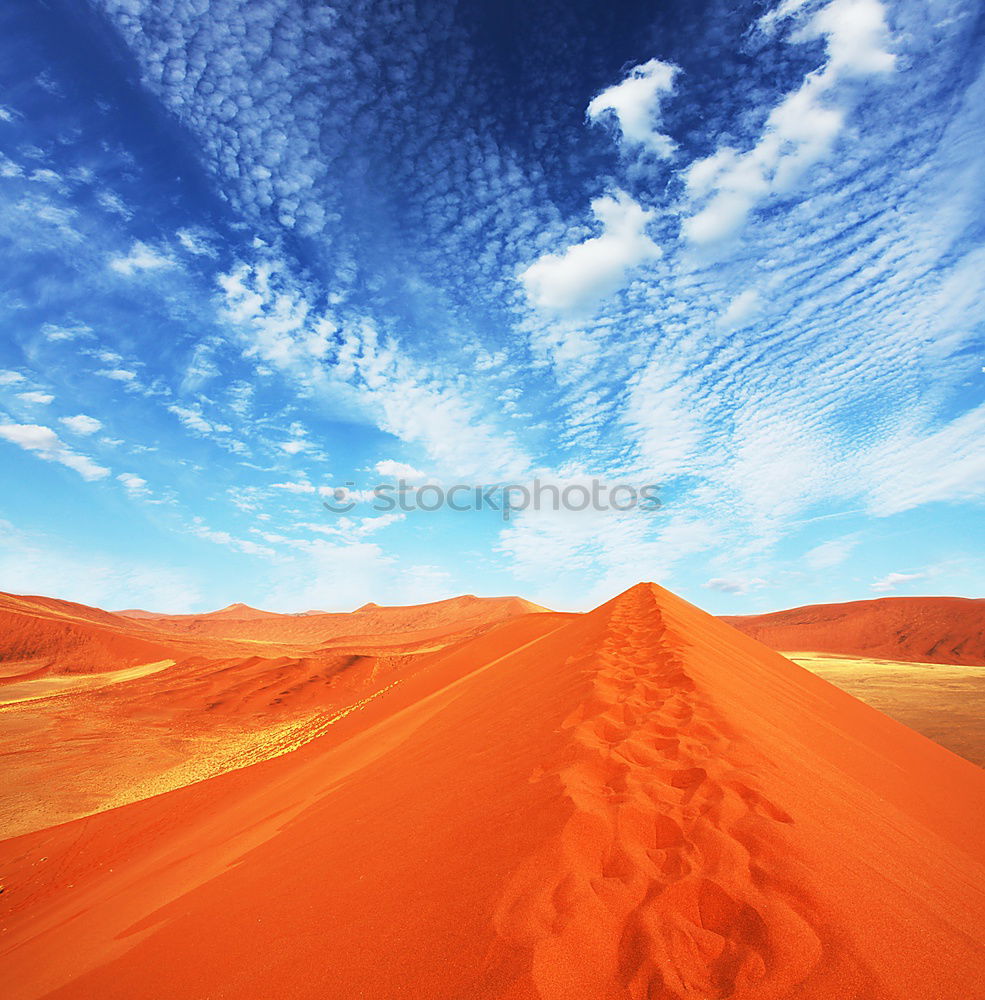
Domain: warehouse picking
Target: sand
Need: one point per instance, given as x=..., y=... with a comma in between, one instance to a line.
x=220, y=702
x=639, y=802
x=911, y=629
x=945, y=703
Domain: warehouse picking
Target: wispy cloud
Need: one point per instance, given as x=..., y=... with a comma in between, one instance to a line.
x=799, y=131
x=82, y=424
x=45, y=443
x=892, y=580
x=141, y=258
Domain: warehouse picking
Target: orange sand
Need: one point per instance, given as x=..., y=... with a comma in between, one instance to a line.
x=914, y=629
x=639, y=802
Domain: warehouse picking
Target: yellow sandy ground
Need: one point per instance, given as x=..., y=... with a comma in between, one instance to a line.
x=945, y=703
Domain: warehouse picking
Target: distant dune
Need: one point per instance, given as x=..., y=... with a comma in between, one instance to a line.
x=239, y=621
x=915, y=629
x=638, y=802
x=42, y=636
x=234, y=612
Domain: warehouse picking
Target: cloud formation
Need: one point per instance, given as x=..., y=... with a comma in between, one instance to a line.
x=635, y=105
x=45, y=443
x=728, y=185
x=572, y=281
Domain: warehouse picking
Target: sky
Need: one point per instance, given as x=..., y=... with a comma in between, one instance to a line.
x=256, y=257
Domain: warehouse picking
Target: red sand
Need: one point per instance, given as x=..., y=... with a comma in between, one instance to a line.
x=59, y=637
x=43, y=636
x=914, y=629
x=639, y=802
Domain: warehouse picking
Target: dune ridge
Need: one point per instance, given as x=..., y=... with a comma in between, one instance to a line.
x=644, y=888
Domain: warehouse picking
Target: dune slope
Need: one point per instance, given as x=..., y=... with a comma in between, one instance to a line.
x=43, y=636
x=639, y=802
x=914, y=629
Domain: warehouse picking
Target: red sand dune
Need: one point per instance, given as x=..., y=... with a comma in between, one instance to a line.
x=59, y=637
x=438, y=618
x=915, y=629
x=203, y=704
x=639, y=802
x=40, y=635
x=237, y=612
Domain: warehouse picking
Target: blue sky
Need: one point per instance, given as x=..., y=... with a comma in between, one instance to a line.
x=255, y=252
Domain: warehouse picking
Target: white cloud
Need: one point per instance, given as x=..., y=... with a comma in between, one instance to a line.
x=735, y=584
x=920, y=464
x=141, y=258
x=81, y=424
x=364, y=374
x=192, y=418
x=635, y=103
x=118, y=374
x=114, y=203
x=46, y=444
x=55, y=332
x=799, y=131
x=294, y=446
x=856, y=36
x=576, y=279
x=294, y=487
x=203, y=531
x=133, y=484
x=892, y=580
x=398, y=470
x=831, y=553
x=353, y=527
x=36, y=398
x=8, y=377
x=783, y=11
x=196, y=242
x=370, y=525
x=740, y=310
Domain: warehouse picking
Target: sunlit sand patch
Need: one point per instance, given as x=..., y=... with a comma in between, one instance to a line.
x=215, y=755
x=946, y=703
x=51, y=687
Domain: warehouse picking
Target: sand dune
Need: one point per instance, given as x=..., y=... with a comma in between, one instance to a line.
x=41, y=636
x=419, y=620
x=236, y=612
x=220, y=702
x=913, y=629
x=53, y=636
x=639, y=802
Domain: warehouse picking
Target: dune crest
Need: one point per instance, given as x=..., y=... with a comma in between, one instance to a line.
x=647, y=889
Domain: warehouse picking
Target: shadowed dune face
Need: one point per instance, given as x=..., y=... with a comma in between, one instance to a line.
x=639, y=802
x=912, y=629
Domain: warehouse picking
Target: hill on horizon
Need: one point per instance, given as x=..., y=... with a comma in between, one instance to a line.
x=914, y=629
